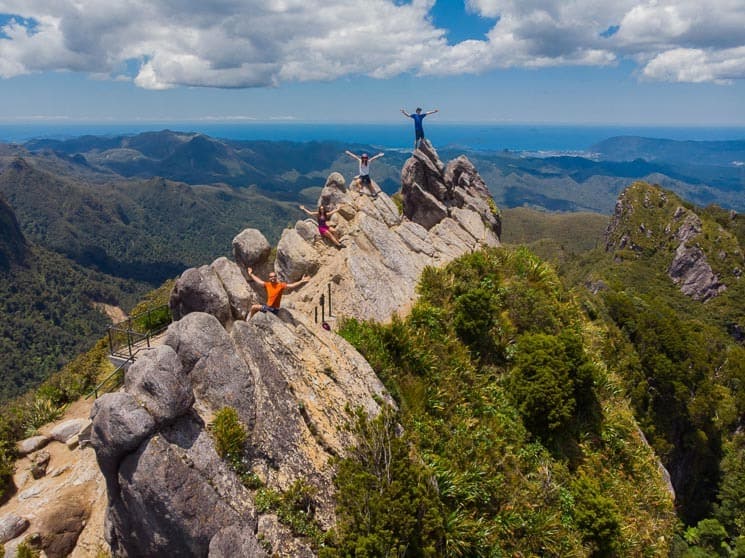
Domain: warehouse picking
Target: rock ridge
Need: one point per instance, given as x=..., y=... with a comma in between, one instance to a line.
x=290, y=381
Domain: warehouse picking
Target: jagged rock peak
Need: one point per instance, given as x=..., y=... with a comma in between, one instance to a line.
x=702, y=254
x=431, y=190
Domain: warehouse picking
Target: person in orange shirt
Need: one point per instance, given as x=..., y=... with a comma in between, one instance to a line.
x=274, y=289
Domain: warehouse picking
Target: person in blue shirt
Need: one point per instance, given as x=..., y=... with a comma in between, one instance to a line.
x=418, y=116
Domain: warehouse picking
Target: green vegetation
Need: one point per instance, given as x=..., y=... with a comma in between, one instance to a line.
x=230, y=437
x=47, y=316
x=567, y=475
x=294, y=508
x=679, y=360
x=21, y=416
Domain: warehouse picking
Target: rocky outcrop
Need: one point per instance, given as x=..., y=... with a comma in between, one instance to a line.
x=649, y=220
x=11, y=526
x=432, y=190
x=690, y=269
x=291, y=382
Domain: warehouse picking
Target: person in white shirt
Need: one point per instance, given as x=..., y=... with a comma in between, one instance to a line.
x=364, y=176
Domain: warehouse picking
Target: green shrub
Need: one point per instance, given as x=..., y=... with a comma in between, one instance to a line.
x=230, y=437
x=710, y=536
x=540, y=384
x=25, y=550
x=39, y=412
x=597, y=516
x=295, y=508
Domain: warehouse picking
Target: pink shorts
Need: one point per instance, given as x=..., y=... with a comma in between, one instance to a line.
x=323, y=229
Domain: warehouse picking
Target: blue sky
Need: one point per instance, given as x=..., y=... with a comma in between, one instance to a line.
x=621, y=62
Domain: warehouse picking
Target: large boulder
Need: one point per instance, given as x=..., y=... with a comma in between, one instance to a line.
x=67, y=429
x=30, y=445
x=295, y=257
x=241, y=297
x=251, y=249
x=175, y=494
x=200, y=290
x=335, y=194
x=157, y=381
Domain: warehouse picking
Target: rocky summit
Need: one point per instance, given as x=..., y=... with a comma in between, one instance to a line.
x=291, y=382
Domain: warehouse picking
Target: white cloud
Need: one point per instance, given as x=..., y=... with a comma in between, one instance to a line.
x=258, y=43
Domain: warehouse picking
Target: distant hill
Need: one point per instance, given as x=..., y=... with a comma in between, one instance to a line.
x=148, y=230
x=716, y=153
x=703, y=172
x=564, y=183
x=281, y=168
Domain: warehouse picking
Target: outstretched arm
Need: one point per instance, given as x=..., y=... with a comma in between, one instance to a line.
x=406, y=114
x=352, y=155
x=378, y=156
x=332, y=211
x=308, y=212
x=432, y=111
x=253, y=277
x=304, y=279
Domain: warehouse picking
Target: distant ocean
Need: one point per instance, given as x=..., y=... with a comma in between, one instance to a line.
x=514, y=137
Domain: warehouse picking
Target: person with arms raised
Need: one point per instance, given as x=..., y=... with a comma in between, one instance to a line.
x=274, y=289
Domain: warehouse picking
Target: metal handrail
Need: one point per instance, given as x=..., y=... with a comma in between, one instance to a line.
x=100, y=385
x=132, y=335
x=133, y=338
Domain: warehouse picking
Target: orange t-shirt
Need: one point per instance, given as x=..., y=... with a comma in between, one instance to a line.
x=274, y=293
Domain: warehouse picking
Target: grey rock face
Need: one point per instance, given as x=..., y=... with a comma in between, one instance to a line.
x=11, y=526
x=431, y=190
x=690, y=270
x=218, y=376
x=174, y=496
x=200, y=290
x=157, y=381
x=235, y=541
x=120, y=424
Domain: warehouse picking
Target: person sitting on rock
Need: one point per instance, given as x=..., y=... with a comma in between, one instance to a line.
x=274, y=289
x=418, y=116
x=325, y=229
x=364, y=176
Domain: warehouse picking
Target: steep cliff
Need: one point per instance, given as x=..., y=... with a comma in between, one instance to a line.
x=291, y=382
